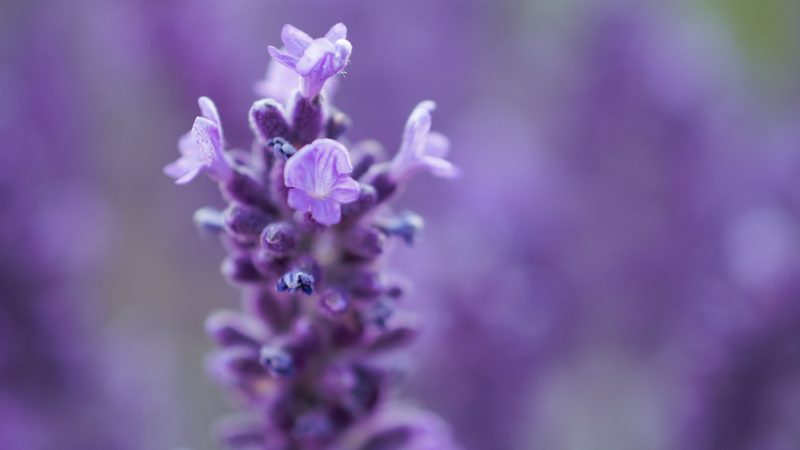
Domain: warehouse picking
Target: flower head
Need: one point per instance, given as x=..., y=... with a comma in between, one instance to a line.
x=422, y=148
x=315, y=60
x=203, y=148
x=318, y=177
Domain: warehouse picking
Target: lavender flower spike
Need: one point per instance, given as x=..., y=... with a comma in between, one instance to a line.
x=203, y=148
x=315, y=60
x=318, y=177
x=422, y=148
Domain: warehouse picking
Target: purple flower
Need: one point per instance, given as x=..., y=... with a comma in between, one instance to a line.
x=203, y=148
x=315, y=60
x=420, y=149
x=318, y=176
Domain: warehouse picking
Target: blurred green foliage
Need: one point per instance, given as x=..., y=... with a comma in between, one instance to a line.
x=767, y=31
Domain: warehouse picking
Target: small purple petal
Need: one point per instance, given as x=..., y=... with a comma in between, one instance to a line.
x=345, y=190
x=208, y=109
x=315, y=57
x=417, y=128
x=286, y=59
x=316, y=167
x=421, y=148
x=185, y=168
x=187, y=146
x=278, y=83
x=183, y=173
x=300, y=200
x=338, y=31
x=206, y=135
x=440, y=167
x=437, y=145
x=326, y=211
x=343, y=50
x=295, y=40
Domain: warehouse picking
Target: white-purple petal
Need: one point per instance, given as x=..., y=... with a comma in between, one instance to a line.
x=315, y=58
x=417, y=128
x=343, y=50
x=345, y=190
x=282, y=57
x=338, y=31
x=316, y=167
x=209, y=110
x=437, y=145
x=278, y=83
x=440, y=167
x=300, y=200
x=189, y=176
x=421, y=148
x=295, y=40
x=326, y=211
x=206, y=134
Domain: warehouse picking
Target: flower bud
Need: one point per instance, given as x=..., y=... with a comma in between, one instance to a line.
x=236, y=363
x=365, y=284
x=240, y=269
x=208, y=221
x=306, y=119
x=364, y=154
x=267, y=120
x=246, y=188
x=407, y=225
x=228, y=328
x=278, y=361
x=269, y=265
x=384, y=186
x=306, y=222
x=279, y=238
x=338, y=123
x=367, y=198
x=364, y=242
x=243, y=222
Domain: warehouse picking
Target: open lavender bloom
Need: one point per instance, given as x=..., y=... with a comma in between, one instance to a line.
x=202, y=149
x=306, y=357
x=420, y=148
x=318, y=176
x=315, y=60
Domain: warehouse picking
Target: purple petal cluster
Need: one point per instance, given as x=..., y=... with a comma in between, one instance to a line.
x=317, y=176
x=315, y=60
x=202, y=148
x=307, y=228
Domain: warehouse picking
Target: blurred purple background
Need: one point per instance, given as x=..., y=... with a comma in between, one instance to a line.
x=619, y=267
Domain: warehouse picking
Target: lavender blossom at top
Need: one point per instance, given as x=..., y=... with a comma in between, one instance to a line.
x=315, y=380
x=315, y=60
x=318, y=177
x=202, y=149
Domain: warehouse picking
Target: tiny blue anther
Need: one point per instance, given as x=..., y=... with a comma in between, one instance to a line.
x=278, y=361
x=208, y=221
x=312, y=426
x=408, y=225
x=282, y=148
x=296, y=280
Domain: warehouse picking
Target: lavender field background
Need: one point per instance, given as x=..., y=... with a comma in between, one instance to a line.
x=618, y=268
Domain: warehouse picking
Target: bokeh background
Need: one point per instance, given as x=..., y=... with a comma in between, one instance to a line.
x=619, y=267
